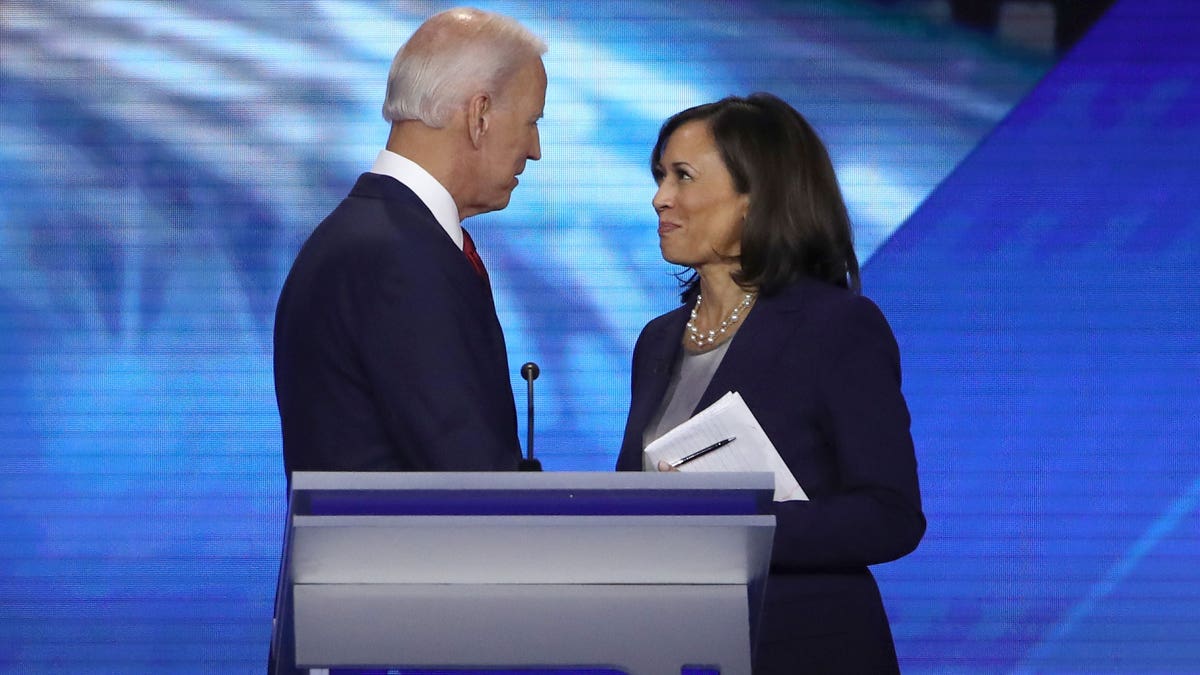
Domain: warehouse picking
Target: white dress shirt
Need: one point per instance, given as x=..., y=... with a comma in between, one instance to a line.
x=431, y=193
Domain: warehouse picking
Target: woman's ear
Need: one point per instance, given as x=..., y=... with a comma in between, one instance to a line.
x=478, y=109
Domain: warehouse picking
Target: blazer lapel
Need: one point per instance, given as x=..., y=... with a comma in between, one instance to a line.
x=756, y=347
x=662, y=350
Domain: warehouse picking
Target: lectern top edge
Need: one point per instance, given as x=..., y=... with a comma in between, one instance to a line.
x=566, y=480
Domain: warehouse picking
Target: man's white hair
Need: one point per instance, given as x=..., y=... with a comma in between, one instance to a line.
x=454, y=55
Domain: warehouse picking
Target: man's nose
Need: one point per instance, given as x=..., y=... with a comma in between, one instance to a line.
x=536, y=152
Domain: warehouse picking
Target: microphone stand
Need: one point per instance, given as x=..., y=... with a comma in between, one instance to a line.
x=530, y=372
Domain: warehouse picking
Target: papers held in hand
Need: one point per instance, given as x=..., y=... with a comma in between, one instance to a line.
x=723, y=437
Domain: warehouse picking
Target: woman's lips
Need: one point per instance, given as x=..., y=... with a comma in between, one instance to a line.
x=666, y=226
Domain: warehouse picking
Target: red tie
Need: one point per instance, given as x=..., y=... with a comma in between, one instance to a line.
x=473, y=257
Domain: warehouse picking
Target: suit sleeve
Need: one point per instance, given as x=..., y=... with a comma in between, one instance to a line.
x=874, y=515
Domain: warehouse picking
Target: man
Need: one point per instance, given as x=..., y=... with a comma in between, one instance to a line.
x=388, y=352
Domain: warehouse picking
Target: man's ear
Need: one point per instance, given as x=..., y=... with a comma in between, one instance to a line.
x=478, y=109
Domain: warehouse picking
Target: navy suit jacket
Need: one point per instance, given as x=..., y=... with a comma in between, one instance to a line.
x=820, y=369
x=388, y=352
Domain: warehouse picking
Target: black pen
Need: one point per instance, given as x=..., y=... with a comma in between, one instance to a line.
x=702, y=452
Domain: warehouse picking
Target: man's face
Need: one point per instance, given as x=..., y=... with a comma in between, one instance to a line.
x=511, y=137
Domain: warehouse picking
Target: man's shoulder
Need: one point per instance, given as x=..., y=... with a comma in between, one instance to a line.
x=378, y=186
x=388, y=196
x=368, y=233
x=380, y=207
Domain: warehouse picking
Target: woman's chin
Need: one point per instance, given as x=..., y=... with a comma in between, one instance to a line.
x=674, y=260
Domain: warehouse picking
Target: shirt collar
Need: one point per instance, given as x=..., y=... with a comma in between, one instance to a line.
x=431, y=193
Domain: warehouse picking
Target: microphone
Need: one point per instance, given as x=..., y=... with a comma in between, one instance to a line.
x=530, y=372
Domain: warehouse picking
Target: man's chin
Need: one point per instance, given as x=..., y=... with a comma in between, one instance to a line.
x=502, y=201
x=497, y=205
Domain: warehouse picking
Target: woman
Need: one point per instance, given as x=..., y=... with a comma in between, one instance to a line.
x=747, y=198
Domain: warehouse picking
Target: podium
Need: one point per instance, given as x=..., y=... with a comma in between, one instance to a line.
x=637, y=573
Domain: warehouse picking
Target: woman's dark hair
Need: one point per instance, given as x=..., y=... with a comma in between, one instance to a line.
x=796, y=224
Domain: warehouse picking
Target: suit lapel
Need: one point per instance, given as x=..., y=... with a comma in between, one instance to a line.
x=662, y=350
x=438, y=253
x=407, y=210
x=756, y=347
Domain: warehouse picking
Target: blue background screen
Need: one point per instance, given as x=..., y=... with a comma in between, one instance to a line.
x=1026, y=213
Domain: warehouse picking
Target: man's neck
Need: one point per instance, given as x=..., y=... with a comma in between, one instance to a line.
x=432, y=150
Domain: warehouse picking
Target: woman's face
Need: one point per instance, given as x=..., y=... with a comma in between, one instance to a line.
x=700, y=213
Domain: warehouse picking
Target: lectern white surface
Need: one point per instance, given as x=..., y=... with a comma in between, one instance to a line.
x=528, y=549
x=643, y=572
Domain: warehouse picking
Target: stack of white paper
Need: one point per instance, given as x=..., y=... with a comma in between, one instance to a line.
x=751, y=450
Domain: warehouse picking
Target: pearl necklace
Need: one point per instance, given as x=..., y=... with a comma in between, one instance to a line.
x=708, y=339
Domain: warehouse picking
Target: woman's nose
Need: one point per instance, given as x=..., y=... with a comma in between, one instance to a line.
x=661, y=200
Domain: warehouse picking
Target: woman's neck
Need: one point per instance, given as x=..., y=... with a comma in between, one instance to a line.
x=720, y=293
